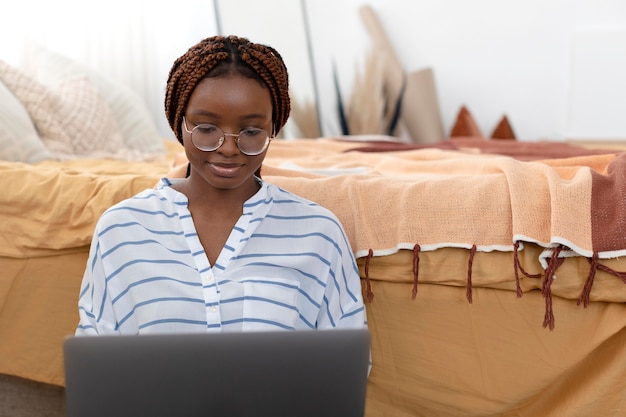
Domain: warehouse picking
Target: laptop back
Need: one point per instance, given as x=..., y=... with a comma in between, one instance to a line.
x=263, y=374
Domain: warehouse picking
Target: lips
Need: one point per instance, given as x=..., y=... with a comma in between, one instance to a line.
x=224, y=169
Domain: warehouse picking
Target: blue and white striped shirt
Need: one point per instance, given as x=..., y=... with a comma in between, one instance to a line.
x=287, y=264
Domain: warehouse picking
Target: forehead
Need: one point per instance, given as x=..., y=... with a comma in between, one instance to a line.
x=232, y=93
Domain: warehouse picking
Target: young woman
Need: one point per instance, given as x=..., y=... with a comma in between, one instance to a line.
x=221, y=250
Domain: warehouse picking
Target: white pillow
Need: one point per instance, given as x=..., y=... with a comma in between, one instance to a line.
x=72, y=119
x=19, y=141
x=128, y=108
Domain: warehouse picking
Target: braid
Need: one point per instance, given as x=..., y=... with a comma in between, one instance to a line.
x=217, y=56
x=272, y=71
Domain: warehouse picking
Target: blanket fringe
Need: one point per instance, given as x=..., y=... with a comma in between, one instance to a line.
x=553, y=264
x=468, y=293
x=619, y=274
x=586, y=292
x=518, y=268
x=416, y=269
x=368, y=285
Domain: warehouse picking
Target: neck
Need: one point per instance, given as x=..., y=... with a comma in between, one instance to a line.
x=202, y=194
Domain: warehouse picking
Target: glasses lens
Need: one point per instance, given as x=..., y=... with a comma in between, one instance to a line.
x=253, y=141
x=207, y=137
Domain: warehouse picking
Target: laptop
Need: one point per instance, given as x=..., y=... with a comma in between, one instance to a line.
x=321, y=373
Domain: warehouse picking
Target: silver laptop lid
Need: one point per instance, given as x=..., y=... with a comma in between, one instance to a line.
x=262, y=374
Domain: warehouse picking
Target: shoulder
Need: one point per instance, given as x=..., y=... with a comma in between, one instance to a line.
x=145, y=205
x=302, y=213
x=295, y=202
x=146, y=199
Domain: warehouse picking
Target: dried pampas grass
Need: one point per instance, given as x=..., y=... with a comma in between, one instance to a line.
x=305, y=118
x=366, y=108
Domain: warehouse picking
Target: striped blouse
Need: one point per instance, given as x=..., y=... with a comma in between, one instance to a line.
x=287, y=264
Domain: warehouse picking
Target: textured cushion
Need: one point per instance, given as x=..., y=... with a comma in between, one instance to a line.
x=19, y=141
x=71, y=119
x=465, y=125
x=133, y=118
x=503, y=130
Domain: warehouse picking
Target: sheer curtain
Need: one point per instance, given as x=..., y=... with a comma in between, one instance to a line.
x=132, y=41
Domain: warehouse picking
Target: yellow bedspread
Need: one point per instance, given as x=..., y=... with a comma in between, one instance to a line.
x=447, y=241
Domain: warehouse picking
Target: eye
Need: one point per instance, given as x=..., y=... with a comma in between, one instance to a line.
x=206, y=128
x=252, y=132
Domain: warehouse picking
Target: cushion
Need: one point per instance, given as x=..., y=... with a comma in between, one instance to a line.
x=465, y=125
x=71, y=119
x=129, y=110
x=503, y=130
x=19, y=141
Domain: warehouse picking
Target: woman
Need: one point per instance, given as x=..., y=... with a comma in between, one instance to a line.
x=221, y=250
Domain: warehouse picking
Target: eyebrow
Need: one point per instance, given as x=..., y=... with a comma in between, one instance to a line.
x=216, y=116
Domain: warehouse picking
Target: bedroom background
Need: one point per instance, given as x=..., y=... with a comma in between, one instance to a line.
x=457, y=242
x=553, y=67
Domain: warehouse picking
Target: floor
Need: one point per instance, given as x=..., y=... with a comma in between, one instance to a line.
x=23, y=398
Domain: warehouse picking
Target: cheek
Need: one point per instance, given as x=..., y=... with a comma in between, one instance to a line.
x=255, y=161
x=192, y=153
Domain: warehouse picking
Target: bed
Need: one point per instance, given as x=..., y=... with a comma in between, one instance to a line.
x=493, y=270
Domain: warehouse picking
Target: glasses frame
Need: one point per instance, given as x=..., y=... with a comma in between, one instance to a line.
x=223, y=138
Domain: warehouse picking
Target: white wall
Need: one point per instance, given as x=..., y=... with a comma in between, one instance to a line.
x=555, y=67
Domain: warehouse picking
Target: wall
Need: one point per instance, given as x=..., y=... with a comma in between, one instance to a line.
x=248, y=18
x=553, y=66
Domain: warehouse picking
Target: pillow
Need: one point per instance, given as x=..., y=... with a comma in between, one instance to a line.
x=19, y=141
x=72, y=119
x=128, y=108
x=503, y=130
x=465, y=125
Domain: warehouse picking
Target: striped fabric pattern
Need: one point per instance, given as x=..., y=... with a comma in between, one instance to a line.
x=286, y=265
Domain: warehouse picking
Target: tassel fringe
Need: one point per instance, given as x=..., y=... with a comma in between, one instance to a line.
x=368, y=284
x=468, y=293
x=416, y=269
x=553, y=264
x=548, y=277
x=518, y=268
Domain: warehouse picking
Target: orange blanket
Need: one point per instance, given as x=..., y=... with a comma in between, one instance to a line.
x=390, y=200
x=438, y=198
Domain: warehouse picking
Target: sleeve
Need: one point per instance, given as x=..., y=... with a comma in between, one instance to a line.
x=344, y=306
x=95, y=308
x=343, y=300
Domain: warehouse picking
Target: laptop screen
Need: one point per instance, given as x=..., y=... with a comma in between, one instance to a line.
x=278, y=374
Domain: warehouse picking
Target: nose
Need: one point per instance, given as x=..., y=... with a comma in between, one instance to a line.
x=229, y=146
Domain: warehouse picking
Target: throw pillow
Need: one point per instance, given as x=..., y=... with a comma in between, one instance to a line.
x=72, y=119
x=465, y=125
x=128, y=108
x=503, y=130
x=19, y=141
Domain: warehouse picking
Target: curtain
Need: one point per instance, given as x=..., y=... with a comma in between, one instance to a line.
x=132, y=41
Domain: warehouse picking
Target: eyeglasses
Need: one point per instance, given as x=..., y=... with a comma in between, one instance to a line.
x=208, y=137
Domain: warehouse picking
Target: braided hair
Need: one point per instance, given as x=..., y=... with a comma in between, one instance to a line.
x=222, y=55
